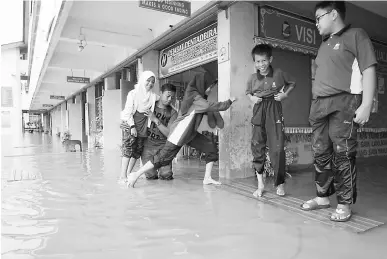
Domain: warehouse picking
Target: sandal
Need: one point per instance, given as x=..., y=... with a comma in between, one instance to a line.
x=313, y=205
x=280, y=190
x=341, y=215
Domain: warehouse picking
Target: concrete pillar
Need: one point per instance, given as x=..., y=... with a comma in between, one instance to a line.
x=46, y=122
x=235, y=159
x=111, y=109
x=150, y=62
x=75, y=119
x=63, y=117
x=90, y=99
x=110, y=83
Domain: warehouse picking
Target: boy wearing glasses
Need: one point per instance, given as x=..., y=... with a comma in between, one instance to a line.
x=343, y=91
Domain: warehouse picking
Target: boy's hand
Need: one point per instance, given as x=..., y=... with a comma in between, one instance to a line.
x=280, y=96
x=133, y=132
x=233, y=99
x=151, y=116
x=362, y=114
x=255, y=99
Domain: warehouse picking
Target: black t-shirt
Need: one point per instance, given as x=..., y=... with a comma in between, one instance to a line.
x=166, y=117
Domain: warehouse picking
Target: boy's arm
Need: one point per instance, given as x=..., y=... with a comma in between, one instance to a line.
x=202, y=105
x=249, y=91
x=290, y=83
x=127, y=113
x=367, y=61
x=165, y=128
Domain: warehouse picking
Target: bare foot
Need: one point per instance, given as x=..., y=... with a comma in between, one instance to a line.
x=259, y=191
x=207, y=181
x=122, y=180
x=316, y=203
x=132, y=179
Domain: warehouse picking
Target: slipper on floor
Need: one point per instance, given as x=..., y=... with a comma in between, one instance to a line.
x=341, y=215
x=313, y=205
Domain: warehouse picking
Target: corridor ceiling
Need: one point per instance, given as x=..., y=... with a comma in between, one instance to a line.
x=111, y=30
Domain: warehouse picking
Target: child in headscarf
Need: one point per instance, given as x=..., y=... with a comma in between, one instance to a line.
x=184, y=131
x=135, y=122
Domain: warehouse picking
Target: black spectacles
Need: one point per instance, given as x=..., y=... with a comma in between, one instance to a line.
x=319, y=17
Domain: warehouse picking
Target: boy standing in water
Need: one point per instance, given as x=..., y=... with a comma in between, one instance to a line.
x=343, y=92
x=266, y=89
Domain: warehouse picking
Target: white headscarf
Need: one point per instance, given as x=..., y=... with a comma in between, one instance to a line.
x=143, y=97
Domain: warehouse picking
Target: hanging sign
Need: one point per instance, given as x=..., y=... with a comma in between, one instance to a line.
x=193, y=51
x=182, y=8
x=57, y=97
x=79, y=80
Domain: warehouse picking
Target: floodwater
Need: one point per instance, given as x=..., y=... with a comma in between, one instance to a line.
x=74, y=208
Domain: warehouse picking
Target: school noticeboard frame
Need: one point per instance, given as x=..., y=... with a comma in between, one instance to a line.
x=380, y=49
x=287, y=31
x=182, y=8
x=195, y=50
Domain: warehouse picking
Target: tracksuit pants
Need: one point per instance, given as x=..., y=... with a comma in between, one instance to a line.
x=334, y=144
x=268, y=129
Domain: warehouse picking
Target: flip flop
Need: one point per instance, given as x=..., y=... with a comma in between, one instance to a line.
x=281, y=192
x=337, y=215
x=313, y=205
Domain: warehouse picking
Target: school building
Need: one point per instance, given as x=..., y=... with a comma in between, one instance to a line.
x=89, y=54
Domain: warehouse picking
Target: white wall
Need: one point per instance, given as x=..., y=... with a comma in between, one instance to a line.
x=235, y=139
x=111, y=109
x=75, y=120
x=10, y=77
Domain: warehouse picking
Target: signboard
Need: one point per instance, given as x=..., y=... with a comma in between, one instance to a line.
x=285, y=28
x=48, y=105
x=182, y=8
x=374, y=144
x=6, y=96
x=79, y=80
x=193, y=51
x=57, y=97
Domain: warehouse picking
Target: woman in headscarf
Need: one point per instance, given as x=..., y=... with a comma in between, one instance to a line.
x=184, y=130
x=135, y=122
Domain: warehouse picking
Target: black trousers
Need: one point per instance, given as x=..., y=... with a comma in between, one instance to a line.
x=200, y=142
x=334, y=144
x=268, y=129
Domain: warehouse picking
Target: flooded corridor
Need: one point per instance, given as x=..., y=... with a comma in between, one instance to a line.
x=74, y=208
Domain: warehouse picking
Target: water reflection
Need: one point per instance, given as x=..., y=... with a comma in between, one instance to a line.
x=75, y=209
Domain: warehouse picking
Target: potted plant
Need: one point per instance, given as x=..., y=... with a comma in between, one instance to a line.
x=66, y=135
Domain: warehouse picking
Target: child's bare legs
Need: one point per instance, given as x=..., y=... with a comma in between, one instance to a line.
x=261, y=186
x=127, y=165
x=133, y=177
x=207, y=176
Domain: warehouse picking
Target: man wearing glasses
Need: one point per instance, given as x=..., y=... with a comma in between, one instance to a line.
x=343, y=91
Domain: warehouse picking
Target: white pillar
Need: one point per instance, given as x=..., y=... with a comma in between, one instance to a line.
x=235, y=36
